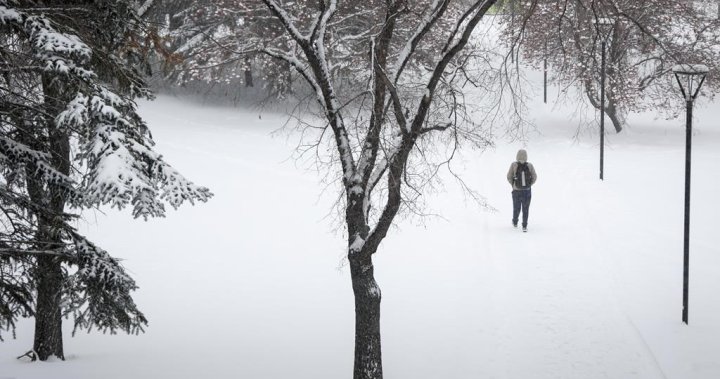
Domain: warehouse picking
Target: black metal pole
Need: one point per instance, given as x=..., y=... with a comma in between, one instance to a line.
x=545, y=70
x=686, y=242
x=602, y=111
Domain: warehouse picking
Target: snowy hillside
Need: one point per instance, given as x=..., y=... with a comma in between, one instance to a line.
x=253, y=284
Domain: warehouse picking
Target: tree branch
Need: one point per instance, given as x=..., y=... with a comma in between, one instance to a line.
x=438, y=9
x=285, y=19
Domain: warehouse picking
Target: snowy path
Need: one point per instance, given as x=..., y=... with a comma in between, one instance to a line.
x=553, y=298
x=591, y=291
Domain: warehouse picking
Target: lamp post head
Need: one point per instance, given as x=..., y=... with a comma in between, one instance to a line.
x=604, y=26
x=690, y=77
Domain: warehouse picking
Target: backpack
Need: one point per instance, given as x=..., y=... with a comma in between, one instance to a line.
x=523, y=177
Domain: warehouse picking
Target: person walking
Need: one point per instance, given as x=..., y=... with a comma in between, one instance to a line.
x=521, y=177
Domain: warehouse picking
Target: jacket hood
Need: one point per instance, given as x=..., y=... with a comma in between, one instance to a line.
x=522, y=156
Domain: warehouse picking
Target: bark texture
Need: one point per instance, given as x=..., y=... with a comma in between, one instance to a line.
x=48, y=320
x=368, y=353
x=49, y=273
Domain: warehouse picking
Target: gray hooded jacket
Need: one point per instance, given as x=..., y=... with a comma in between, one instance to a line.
x=521, y=157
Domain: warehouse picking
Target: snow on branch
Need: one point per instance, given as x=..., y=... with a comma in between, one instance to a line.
x=437, y=9
x=123, y=168
x=323, y=19
x=16, y=295
x=57, y=52
x=51, y=42
x=286, y=21
x=16, y=154
x=144, y=7
x=466, y=24
x=194, y=41
x=300, y=67
x=176, y=189
x=318, y=75
x=99, y=292
x=8, y=16
x=381, y=167
x=320, y=22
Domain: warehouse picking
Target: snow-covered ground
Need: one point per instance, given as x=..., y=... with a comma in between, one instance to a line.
x=253, y=283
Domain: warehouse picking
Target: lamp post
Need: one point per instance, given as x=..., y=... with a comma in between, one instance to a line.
x=545, y=72
x=604, y=25
x=690, y=77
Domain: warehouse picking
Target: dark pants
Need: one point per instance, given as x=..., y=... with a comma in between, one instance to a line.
x=521, y=199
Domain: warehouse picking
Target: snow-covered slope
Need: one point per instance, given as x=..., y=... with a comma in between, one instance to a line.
x=253, y=284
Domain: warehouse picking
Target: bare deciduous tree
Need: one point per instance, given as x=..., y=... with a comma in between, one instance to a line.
x=412, y=101
x=644, y=40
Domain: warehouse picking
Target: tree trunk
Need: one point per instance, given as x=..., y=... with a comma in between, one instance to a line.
x=612, y=112
x=48, y=321
x=288, y=78
x=610, y=108
x=368, y=357
x=49, y=275
x=248, y=73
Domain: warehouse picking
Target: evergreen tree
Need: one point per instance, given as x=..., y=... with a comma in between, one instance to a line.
x=71, y=139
